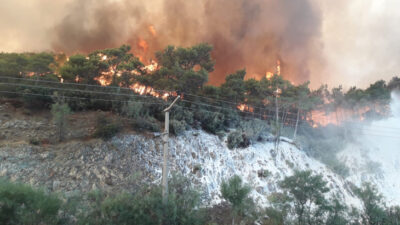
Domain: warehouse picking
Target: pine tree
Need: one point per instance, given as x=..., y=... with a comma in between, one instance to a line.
x=60, y=111
x=237, y=194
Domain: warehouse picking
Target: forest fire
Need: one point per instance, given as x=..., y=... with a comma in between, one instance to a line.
x=269, y=74
x=341, y=115
x=245, y=108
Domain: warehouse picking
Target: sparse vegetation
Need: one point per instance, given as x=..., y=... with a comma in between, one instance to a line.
x=21, y=204
x=146, y=124
x=106, y=128
x=177, y=127
x=237, y=194
x=60, y=111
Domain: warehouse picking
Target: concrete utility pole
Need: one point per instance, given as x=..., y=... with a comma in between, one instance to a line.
x=278, y=127
x=166, y=152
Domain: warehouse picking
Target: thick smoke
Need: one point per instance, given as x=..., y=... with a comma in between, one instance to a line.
x=373, y=156
x=335, y=42
x=245, y=34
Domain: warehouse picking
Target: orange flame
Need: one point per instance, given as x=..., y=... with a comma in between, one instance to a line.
x=152, y=30
x=245, y=108
x=142, y=44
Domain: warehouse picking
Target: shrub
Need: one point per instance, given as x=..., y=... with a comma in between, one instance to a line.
x=231, y=117
x=237, y=139
x=211, y=122
x=60, y=111
x=148, y=124
x=37, y=98
x=34, y=141
x=237, y=194
x=177, y=127
x=264, y=173
x=133, y=109
x=106, y=129
x=254, y=129
x=146, y=207
x=20, y=204
x=182, y=114
x=234, y=139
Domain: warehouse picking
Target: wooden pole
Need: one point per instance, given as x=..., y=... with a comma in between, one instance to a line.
x=164, y=182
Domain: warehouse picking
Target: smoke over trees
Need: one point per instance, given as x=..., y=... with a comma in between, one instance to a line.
x=251, y=34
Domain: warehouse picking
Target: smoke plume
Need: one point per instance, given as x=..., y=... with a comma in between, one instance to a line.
x=245, y=34
x=334, y=42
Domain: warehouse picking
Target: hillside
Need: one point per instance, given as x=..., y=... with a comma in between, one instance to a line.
x=132, y=159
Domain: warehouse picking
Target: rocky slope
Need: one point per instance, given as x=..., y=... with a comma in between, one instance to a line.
x=128, y=160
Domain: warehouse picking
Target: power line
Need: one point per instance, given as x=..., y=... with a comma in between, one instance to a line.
x=120, y=94
x=122, y=88
x=266, y=108
x=252, y=114
x=162, y=103
x=78, y=98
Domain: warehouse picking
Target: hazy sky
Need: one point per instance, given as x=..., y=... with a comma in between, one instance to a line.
x=359, y=39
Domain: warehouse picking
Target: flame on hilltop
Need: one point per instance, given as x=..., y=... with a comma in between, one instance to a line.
x=245, y=108
x=269, y=74
x=340, y=115
x=152, y=30
x=142, y=44
x=142, y=47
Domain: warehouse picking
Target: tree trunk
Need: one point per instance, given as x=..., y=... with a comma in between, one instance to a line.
x=233, y=220
x=297, y=123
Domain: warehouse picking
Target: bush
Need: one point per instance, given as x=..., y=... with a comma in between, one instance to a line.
x=231, y=118
x=146, y=207
x=148, y=124
x=211, y=122
x=20, y=204
x=59, y=112
x=177, y=127
x=37, y=98
x=34, y=141
x=237, y=194
x=106, y=129
x=234, y=139
x=133, y=109
x=254, y=129
x=237, y=139
x=182, y=114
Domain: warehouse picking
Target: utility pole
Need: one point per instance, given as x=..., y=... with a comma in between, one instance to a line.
x=166, y=152
x=278, y=128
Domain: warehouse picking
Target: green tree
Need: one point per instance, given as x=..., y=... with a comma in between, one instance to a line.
x=394, y=84
x=13, y=64
x=337, y=213
x=40, y=63
x=60, y=111
x=146, y=207
x=378, y=94
x=121, y=64
x=234, y=87
x=393, y=215
x=307, y=193
x=85, y=68
x=355, y=98
x=305, y=101
x=182, y=69
x=374, y=211
x=237, y=194
x=21, y=204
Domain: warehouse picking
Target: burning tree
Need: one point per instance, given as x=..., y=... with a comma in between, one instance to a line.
x=182, y=69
